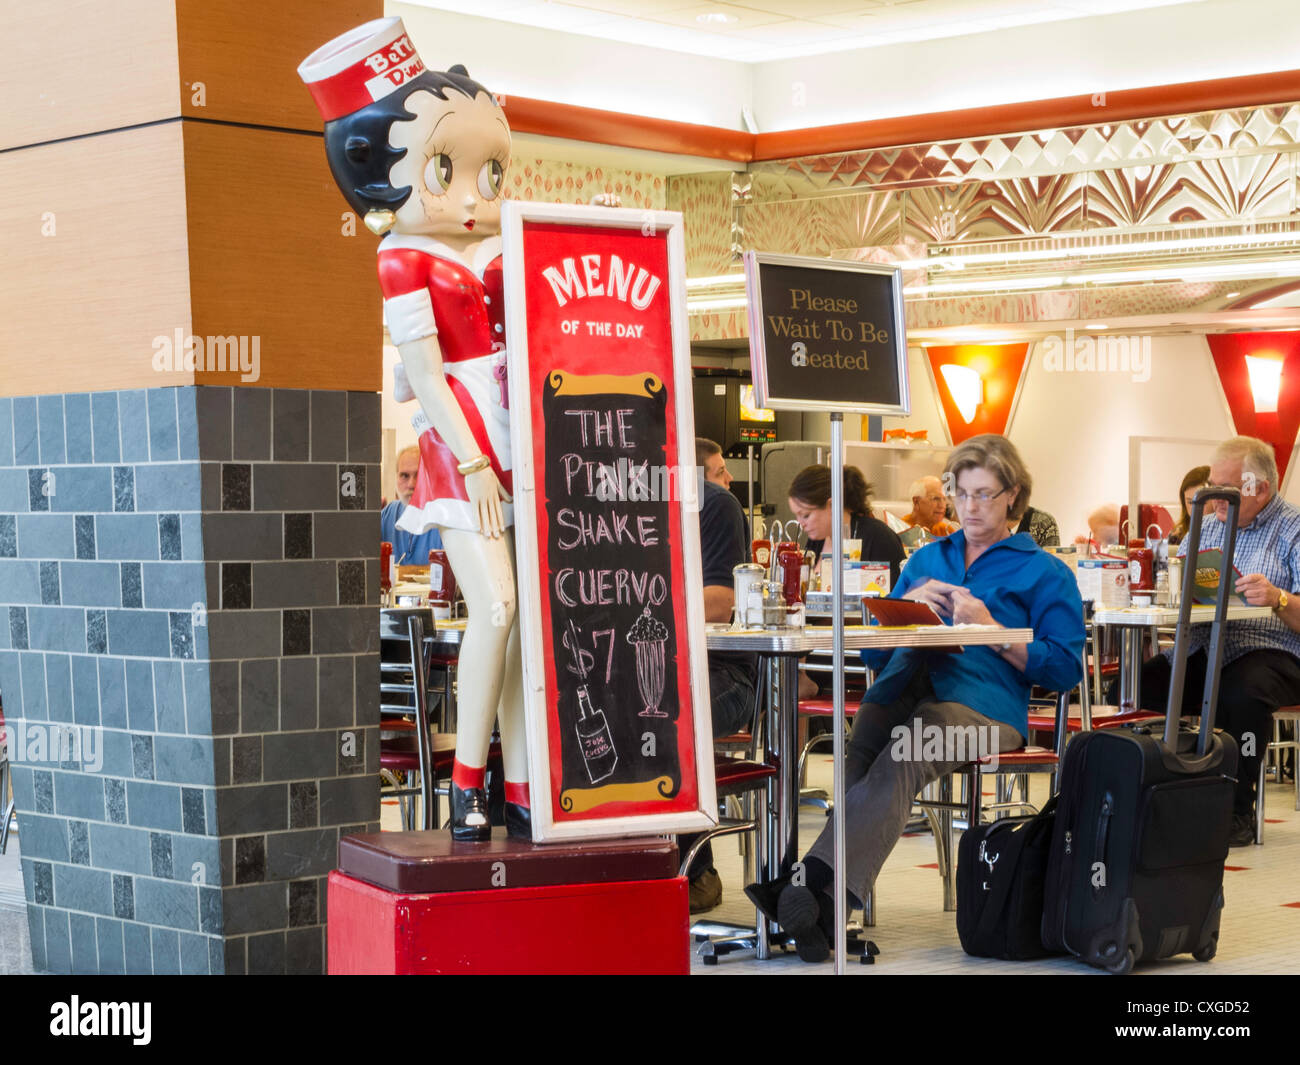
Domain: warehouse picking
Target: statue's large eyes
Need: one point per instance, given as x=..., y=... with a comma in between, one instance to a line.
x=489, y=180
x=357, y=150
x=438, y=172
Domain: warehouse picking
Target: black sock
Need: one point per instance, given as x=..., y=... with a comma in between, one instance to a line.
x=818, y=876
x=820, y=879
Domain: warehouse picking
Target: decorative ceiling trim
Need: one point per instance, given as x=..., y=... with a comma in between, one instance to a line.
x=546, y=118
x=1124, y=105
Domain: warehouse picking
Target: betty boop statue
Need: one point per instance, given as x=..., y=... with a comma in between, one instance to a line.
x=421, y=155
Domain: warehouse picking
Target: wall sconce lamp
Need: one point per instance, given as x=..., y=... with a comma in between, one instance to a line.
x=1265, y=382
x=967, y=389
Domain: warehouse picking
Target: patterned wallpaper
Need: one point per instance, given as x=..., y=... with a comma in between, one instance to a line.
x=548, y=181
x=711, y=224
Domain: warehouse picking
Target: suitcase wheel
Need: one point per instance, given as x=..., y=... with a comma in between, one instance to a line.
x=1206, y=952
x=1125, y=965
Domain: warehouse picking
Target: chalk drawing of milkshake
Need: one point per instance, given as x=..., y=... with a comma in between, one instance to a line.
x=649, y=636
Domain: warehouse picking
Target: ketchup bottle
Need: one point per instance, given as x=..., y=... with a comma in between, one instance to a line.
x=385, y=570
x=1141, y=566
x=442, y=582
x=789, y=564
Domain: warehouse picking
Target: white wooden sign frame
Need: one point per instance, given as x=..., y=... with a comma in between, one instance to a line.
x=528, y=482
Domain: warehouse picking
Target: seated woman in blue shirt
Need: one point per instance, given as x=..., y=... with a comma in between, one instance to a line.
x=981, y=574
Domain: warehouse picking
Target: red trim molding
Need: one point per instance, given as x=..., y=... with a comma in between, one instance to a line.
x=712, y=142
x=627, y=131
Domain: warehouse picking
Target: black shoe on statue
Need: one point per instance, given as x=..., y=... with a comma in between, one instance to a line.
x=469, y=815
x=519, y=822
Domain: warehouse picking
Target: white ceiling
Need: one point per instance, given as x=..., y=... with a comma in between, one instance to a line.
x=761, y=30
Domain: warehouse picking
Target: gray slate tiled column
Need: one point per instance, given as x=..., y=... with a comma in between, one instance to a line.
x=188, y=577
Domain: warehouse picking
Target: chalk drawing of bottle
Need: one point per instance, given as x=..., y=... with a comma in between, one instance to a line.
x=594, y=740
x=593, y=735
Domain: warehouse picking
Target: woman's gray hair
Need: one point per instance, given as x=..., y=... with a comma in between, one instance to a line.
x=1256, y=457
x=999, y=456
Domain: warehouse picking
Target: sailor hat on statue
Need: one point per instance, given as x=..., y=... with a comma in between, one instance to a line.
x=360, y=67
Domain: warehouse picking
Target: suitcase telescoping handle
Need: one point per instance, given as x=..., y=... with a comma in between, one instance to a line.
x=1214, y=652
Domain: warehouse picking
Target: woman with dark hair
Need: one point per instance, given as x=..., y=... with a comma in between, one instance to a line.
x=423, y=154
x=982, y=574
x=810, y=502
x=1196, y=479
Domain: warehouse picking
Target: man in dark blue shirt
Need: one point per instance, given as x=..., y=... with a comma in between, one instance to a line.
x=408, y=550
x=724, y=544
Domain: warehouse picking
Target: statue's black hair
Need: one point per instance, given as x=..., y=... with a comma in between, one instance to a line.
x=357, y=146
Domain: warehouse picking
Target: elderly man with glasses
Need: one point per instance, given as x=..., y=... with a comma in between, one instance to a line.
x=928, y=507
x=1261, y=656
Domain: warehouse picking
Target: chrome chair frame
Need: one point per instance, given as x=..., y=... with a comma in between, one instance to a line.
x=1275, y=747
x=421, y=652
x=6, y=801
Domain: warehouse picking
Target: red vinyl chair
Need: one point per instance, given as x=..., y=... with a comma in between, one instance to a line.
x=822, y=706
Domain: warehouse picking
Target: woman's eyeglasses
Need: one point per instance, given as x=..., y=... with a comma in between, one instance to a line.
x=982, y=497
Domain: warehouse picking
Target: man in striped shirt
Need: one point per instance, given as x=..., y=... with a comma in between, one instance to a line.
x=1261, y=656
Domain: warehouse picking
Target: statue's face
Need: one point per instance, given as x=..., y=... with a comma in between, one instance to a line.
x=457, y=153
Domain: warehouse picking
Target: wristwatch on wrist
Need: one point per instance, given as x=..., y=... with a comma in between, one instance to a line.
x=1282, y=600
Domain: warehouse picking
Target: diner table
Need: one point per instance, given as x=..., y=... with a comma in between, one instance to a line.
x=781, y=649
x=1132, y=621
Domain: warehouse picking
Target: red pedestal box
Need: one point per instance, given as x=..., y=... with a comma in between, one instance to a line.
x=390, y=922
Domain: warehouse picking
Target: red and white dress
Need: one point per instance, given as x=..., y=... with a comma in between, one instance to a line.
x=429, y=291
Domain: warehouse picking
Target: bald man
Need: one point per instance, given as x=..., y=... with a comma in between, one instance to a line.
x=1103, y=526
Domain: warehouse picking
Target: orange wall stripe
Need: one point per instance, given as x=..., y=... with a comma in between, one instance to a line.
x=713, y=142
x=627, y=131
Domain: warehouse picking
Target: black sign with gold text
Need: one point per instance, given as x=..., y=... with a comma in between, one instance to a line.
x=827, y=336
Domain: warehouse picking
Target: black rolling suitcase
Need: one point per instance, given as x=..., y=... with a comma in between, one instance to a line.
x=1135, y=870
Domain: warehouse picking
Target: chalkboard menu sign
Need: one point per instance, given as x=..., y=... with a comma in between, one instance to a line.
x=606, y=522
x=826, y=335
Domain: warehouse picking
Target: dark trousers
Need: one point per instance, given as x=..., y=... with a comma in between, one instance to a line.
x=883, y=774
x=1250, y=689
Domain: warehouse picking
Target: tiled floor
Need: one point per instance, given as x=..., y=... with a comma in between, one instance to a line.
x=1260, y=931
x=15, y=941
x=1259, y=934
